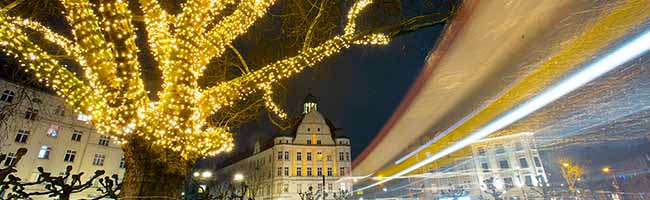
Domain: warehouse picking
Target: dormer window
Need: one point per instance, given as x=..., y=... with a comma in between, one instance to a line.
x=318, y=129
x=308, y=129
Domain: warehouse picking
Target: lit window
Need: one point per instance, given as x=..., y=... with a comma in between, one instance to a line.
x=53, y=131
x=82, y=117
x=99, y=159
x=31, y=114
x=104, y=140
x=44, y=152
x=69, y=155
x=319, y=156
x=7, y=96
x=22, y=136
x=10, y=159
x=76, y=135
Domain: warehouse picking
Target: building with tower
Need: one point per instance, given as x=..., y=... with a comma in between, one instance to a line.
x=312, y=154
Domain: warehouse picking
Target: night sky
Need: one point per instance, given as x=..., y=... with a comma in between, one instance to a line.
x=357, y=90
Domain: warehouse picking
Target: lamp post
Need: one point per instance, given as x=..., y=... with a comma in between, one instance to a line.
x=608, y=171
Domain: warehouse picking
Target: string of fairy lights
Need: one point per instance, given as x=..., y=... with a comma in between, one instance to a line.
x=112, y=92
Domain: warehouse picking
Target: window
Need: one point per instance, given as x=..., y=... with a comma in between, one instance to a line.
x=279, y=155
x=44, y=152
x=519, y=146
x=83, y=118
x=69, y=155
x=10, y=159
x=308, y=129
x=22, y=136
x=329, y=171
x=341, y=157
x=508, y=182
x=99, y=159
x=279, y=171
x=329, y=157
x=299, y=188
x=53, y=131
x=278, y=189
x=481, y=151
x=318, y=142
x=298, y=171
x=298, y=155
x=122, y=163
x=319, y=171
x=347, y=156
x=330, y=187
x=319, y=155
x=529, y=180
x=31, y=113
x=537, y=162
x=504, y=164
x=60, y=111
x=500, y=149
x=286, y=171
x=7, y=96
x=308, y=155
x=76, y=135
x=309, y=171
x=104, y=140
x=485, y=166
x=286, y=155
x=285, y=187
x=308, y=141
x=523, y=163
x=342, y=171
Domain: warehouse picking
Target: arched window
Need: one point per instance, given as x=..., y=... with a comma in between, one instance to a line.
x=7, y=96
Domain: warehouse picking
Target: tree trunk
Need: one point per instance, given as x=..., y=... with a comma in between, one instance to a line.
x=152, y=173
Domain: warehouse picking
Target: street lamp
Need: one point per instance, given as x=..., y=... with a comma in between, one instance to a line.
x=606, y=170
x=196, y=174
x=206, y=174
x=238, y=177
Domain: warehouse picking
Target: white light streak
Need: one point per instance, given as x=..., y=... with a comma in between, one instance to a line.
x=620, y=56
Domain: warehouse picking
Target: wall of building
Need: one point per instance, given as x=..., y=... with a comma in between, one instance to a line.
x=52, y=127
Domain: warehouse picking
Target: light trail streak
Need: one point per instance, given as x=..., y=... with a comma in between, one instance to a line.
x=627, y=52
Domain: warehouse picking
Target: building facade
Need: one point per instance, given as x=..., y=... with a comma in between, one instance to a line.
x=311, y=155
x=506, y=167
x=54, y=135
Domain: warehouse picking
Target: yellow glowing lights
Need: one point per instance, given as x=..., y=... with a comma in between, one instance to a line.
x=112, y=93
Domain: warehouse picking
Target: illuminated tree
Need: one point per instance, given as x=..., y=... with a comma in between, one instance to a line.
x=571, y=173
x=161, y=139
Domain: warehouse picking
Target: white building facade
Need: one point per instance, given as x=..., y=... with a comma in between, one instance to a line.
x=55, y=137
x=511, y=164
x=310, y=156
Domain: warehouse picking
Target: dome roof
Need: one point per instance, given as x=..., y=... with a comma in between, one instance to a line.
x=310, y=99
x=313, y=117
